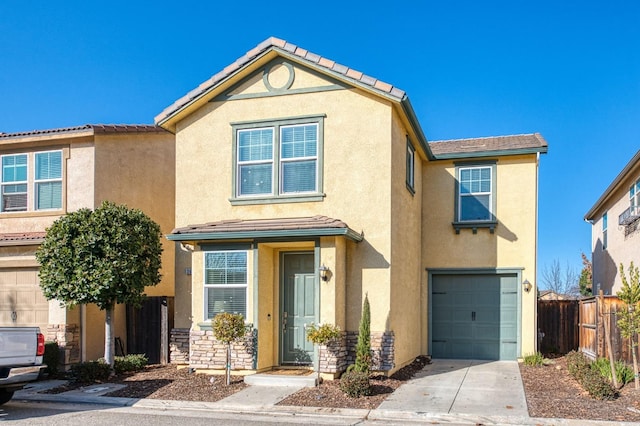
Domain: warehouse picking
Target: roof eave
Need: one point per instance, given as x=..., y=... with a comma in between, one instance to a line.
x=413, y=120
x=497, y=153
x=590, y=215
x=289, y=233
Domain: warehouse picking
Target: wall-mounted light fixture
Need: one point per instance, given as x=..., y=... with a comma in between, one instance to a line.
x=324, y=272
x=526, y=285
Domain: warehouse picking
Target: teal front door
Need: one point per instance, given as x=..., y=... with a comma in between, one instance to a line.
x=298, y=307
x=474, y=316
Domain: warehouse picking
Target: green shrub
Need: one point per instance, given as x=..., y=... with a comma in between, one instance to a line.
x=589, y=378
x=363, y=347
x=50, y=358
x=535, y=360
x=323, y=334
x=577, y=364
x=355, y=384
x=128, y=363
x=624, y=373
x=90, y=371
x=597, y=386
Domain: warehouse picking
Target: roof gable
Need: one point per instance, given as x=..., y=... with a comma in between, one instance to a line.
x=269, y=49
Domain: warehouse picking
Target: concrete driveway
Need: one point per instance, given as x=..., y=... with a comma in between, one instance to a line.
x=467, y=387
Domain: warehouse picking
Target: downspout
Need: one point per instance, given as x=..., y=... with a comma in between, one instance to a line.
x=535, y=286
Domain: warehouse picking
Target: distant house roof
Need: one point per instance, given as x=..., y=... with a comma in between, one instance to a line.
x=22, y=238
x=314, y=226
x=633, y=164
x=315, y=61
x=92, y=128
x=489, y=146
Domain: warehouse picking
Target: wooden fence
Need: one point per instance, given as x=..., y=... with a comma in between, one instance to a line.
x=595, y=313
x=558, y=326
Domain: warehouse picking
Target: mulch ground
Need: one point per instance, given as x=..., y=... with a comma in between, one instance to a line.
x=552, y=392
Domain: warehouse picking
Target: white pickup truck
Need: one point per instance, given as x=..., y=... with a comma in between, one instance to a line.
x=21, y=351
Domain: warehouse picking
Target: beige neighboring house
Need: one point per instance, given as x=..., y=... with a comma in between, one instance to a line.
x=552, y=295
x=615, y=228
x=47, y=173
x=303, y=185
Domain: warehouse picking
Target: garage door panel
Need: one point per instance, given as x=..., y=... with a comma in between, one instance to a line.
x=474, y=316
x=21, y=300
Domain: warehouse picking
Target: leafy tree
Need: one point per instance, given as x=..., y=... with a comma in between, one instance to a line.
x=629, y=318
x=586, y=277
x=363, y=347
x=562, y=281
x=227, y=328
x=106, y=256
x=322, y=335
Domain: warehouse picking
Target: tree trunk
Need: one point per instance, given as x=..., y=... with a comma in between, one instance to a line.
x=634, y=349
x=109, y=344
x=228, y=364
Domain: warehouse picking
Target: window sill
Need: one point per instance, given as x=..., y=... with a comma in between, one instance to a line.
x=205, y=326
x=474, y=225
x=303, y=198
x=34, y=213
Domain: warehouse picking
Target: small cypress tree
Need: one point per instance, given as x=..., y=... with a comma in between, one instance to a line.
x=363, y=348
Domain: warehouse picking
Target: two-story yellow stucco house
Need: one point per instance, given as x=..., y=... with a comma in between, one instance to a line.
x=47, y=173
x=303, y=185
x=615, y=228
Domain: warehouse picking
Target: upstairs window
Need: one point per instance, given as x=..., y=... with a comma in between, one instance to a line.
x=25, y=190
x=278, y=161
x=411, y=157
x=604, y=231
x=634, y=198
x=48, y=180
x=14, y=183
x=475, y=194
x=225, y=282
x=255, y=162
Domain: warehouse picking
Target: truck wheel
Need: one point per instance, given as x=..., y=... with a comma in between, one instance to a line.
x=5, y=396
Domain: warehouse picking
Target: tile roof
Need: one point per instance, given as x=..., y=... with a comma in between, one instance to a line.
x=268, y=227
x=96, y=128
x=285, y=47
x=494, y=145
x=22, y=238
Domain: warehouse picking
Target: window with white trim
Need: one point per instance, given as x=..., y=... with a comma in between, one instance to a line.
x=277, y=159
x=634, y=198
x=475, y=193
x=225, y=282
x=604, y=230
x=23, y=190
x=14, y=183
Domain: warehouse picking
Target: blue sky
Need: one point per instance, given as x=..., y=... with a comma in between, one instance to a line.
x=567, y=69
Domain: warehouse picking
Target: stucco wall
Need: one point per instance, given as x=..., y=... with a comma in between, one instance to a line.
x=357, y=128
x=406, y=309
x=623, y=242
x=513, y=245
x=138, y=170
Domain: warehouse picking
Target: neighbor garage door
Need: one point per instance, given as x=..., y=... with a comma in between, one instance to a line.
x=21, y=300
x=474, y=316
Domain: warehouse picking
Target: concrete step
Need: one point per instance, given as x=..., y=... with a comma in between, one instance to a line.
x=280, y=380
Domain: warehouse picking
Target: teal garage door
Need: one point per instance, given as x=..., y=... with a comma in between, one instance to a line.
x=474, y=316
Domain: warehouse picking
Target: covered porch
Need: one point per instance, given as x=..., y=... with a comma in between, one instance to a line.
x=281, y=275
